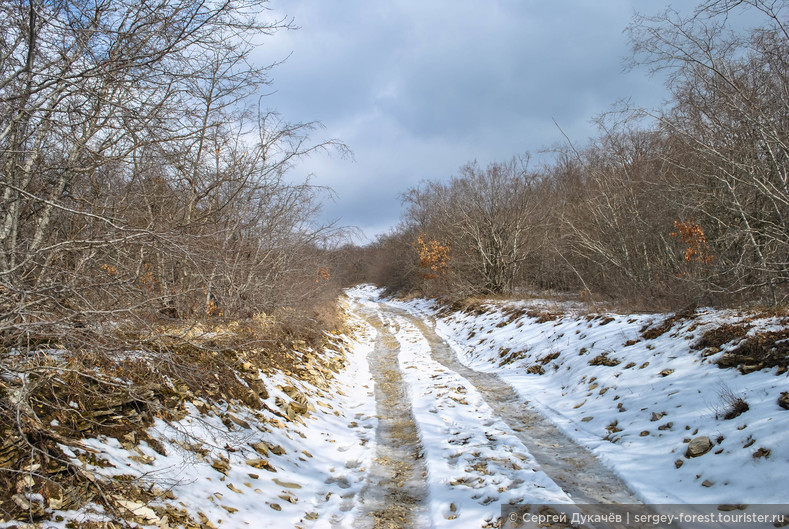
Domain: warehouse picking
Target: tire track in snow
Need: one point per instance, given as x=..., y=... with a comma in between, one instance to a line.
x=576, y=470
x=395, y=491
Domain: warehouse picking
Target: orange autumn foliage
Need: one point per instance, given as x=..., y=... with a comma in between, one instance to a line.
x=433, y=256
x=212, y=309
x=693, y=235
x=323, y=274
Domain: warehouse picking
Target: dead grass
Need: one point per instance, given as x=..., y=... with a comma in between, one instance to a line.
x=549, y=358
x=474, y=306
x=542, y=316
x=763, y=350
x=650, y=332
x=721, y=335
x=604, y=360
x=736, y=408
x=731, y=405
x=70, y=384
x=59, y=400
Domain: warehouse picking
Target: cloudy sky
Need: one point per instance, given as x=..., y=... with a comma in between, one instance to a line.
x=418, y=88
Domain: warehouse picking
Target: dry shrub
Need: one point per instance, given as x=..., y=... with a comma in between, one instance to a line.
x=731, y=405
x=721, y=335
x=763, y=350
x=474, y=306
x=650, y=333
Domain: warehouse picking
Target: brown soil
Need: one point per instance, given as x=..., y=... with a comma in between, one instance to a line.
x=395, y=491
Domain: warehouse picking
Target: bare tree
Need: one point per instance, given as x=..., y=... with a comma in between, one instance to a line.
x=138, y=168
x=617, y=222
x=729, y=123
x=485, y=216
x=141, y=179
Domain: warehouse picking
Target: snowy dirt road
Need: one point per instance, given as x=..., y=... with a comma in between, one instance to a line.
x=395, y=488
x=453, y=444
x=422, y=418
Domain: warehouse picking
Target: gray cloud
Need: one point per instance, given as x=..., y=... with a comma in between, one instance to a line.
x=417, y=89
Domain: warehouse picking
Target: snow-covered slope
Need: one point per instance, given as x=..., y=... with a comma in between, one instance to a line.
x=637, y=389
x=645, y=393
x=301, y=460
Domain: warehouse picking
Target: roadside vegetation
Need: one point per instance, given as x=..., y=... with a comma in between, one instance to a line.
x=665, y=208
x=157, y=253
x=154, y=247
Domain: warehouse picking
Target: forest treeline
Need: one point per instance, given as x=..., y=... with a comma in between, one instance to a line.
x=142, y=177
x=685, y=204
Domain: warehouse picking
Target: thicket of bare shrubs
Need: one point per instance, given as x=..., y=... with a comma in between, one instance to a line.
x=141, y=175
x=680, y=205
x=145, y=206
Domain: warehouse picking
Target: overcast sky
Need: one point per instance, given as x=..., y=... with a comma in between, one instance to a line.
x=418, y=88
